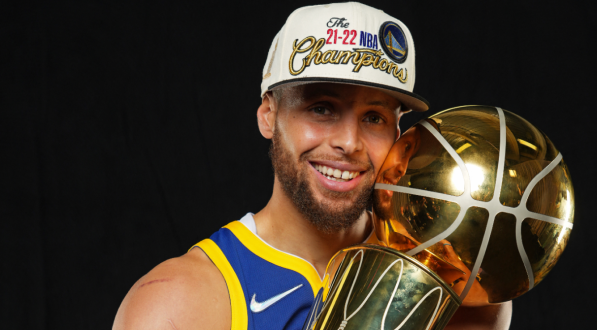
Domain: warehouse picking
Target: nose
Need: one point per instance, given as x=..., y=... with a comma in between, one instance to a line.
x=347, y=136
x=402, y=164
x=397, y=172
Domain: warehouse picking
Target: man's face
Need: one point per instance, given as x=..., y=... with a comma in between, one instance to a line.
x=397, y=160
x=329, y=142
x=394, y=168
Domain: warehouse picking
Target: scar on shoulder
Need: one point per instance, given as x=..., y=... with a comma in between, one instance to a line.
x=155, y=281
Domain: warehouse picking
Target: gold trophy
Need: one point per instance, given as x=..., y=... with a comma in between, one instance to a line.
x=472, y=206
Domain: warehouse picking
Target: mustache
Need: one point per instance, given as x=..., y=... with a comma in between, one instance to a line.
x=306, y=156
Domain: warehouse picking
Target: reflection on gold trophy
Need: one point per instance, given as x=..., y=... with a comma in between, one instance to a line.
x=473, y=206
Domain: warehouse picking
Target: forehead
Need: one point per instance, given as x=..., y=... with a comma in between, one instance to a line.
x=346, y=93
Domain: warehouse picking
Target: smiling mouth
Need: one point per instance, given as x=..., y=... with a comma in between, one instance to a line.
x=335, y=174
x=386, y=181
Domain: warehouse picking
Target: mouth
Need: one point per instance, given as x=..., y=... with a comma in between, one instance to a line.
x=387, y=177
x=385, y=192
x=335, y=174
x=386, y=181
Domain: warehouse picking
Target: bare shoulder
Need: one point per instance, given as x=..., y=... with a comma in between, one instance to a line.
x=187, y=292
x=493, y=317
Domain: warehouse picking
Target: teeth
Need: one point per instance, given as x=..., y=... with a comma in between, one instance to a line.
x=336, y=174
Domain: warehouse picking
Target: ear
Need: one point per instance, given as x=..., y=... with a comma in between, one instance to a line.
x=266, y=115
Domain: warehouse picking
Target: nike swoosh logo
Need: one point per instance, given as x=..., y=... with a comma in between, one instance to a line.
x=258, y=307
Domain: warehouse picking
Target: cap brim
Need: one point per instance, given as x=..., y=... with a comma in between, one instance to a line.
x=410, y=100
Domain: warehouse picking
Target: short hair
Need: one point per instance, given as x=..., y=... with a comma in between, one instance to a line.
x=277, y=93
x=290, y=94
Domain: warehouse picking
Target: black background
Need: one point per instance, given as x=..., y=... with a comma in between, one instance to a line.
x=128, y=133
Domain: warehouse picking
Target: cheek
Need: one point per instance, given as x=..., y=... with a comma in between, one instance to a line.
x=304, y=137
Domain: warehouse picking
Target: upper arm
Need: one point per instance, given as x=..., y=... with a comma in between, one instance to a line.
x=492, y=317
x=188, y=292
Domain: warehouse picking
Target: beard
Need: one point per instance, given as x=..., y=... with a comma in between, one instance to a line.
x=327, y=216
x=382, y=205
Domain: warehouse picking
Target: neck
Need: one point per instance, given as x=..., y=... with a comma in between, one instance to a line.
x=282, y=226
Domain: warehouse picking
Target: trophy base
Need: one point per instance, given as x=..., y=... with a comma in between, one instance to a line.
x=373, y=287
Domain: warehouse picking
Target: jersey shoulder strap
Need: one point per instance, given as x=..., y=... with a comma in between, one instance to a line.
x=238, y=307
x=254, y=272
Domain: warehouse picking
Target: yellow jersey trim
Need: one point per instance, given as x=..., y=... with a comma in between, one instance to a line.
x=276, y=257
x=238, y=306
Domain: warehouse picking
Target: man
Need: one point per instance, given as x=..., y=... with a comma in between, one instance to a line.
x=336, y=81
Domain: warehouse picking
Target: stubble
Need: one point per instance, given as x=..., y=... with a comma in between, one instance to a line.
x=328, y=216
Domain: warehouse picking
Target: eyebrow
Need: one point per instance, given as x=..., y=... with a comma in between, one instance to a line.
x=380, y=103
x=333, y=94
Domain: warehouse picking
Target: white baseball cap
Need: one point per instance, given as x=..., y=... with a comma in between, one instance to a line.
x=347, y=43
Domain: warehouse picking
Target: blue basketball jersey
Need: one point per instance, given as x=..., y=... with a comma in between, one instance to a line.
x=268, y=288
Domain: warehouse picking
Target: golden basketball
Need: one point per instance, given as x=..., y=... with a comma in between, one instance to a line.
x=480, y=196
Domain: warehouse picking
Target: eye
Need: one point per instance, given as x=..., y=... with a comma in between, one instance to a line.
x=374, y=119
x=407, y=147
x=321, y=110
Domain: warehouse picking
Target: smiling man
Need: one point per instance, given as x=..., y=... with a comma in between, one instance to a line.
x=336, y=81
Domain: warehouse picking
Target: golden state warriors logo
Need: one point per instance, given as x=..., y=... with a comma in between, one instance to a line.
x=393, y=41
